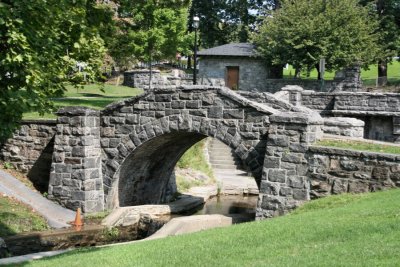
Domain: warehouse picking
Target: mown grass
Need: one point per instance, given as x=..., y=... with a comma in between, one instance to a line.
x=345, y=230
x=16, y=217
x=368, y=76
x=360, y=145
x=91, y=95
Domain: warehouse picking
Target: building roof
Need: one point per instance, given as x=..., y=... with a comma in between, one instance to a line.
x=230, y=50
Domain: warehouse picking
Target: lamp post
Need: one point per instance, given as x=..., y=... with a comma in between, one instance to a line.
x=196, y=23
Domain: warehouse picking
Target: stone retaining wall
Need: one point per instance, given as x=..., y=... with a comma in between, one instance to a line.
x=30, y=151
x=379, y=111
x=336, y=171
x=140, y=79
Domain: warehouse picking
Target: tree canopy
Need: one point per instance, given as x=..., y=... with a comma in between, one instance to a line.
x=302, y=32
x=225, y=21
x=388, y=15
x=41, y=43
x=152, y=30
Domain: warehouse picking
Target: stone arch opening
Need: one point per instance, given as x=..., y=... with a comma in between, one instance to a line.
x=145, y=173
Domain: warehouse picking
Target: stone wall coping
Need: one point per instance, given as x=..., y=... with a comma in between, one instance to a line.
x=297, y=118
x=77, y=111
x=365, y=113
x=40, y=122
x=294, y=88
x=170, y=89
x=344, y=122
x=354, y=153
x=310, y=92
x=144, y=71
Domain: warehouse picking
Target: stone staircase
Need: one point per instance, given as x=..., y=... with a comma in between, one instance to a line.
x=228, y=170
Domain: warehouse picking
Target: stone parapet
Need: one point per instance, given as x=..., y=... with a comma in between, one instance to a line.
x=76, y=175
x=336, y=171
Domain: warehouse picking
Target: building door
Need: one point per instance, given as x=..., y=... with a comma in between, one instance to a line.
x=232, y=77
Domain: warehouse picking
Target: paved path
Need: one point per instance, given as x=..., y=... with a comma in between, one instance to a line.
x=56, y=216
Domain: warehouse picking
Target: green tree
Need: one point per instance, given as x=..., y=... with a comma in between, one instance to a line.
x=41, y=42
x=152, y=30
x=302, y=32
x=225, y=21
x=388, y=13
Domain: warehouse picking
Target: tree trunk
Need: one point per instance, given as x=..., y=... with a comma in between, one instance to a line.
x=189, y=62
x=382, y=73
x=319, y=73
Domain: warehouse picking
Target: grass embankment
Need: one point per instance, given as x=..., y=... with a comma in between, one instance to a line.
x=91, y=95
x=345, y=230
x=16, y=217
x=360, y=145
x=194, y=159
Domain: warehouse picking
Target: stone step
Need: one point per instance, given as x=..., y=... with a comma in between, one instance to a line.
x=224, y=161
x=225, y=166
x=222, y=157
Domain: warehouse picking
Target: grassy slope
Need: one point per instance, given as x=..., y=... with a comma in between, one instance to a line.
x=359, y=145
x=16, y=217
x=195, y=159
x=346, y=230
x=89, y=96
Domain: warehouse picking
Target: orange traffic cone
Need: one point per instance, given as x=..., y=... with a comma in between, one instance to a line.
x=78, y=220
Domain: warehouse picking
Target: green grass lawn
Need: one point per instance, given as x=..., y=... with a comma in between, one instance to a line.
x=92, y=96
x=360, y=145
x=16, y=217
x=345, y=230
x=368, y=76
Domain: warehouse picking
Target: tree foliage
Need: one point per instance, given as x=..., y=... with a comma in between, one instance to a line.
x=225, y=21
x=302, y=32
x=388, y=14
x=40, y=42
x=152, y=29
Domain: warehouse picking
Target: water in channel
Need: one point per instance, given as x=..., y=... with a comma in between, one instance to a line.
x=240, y=208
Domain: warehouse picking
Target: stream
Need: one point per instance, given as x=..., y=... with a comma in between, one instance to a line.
x=241, y=208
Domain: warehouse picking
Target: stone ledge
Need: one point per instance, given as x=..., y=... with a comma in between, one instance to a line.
x=296, y=118
x=366, y=112
x=77, y=111
x=51, y=122
x=354, y=153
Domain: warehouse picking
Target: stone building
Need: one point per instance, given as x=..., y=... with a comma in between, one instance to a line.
x=235, y=65
x=239, y=67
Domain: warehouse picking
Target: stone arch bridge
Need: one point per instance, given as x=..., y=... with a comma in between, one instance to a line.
x=125, y=154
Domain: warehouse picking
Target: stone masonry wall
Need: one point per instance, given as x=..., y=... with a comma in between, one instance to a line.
x=284, y=183
x=380, y=111
x=336, y=171
x=76, y=177
x=253, y=73
x=154, y=128
x=30, y=150
x=140, y=79
x=343, y=103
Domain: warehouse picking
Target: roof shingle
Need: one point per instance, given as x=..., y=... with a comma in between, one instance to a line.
x=231, y=50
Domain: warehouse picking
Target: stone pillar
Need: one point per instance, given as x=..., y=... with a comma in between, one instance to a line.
x=396, y=130
x=284, y=184
x=294, y=92
x=76, y=174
